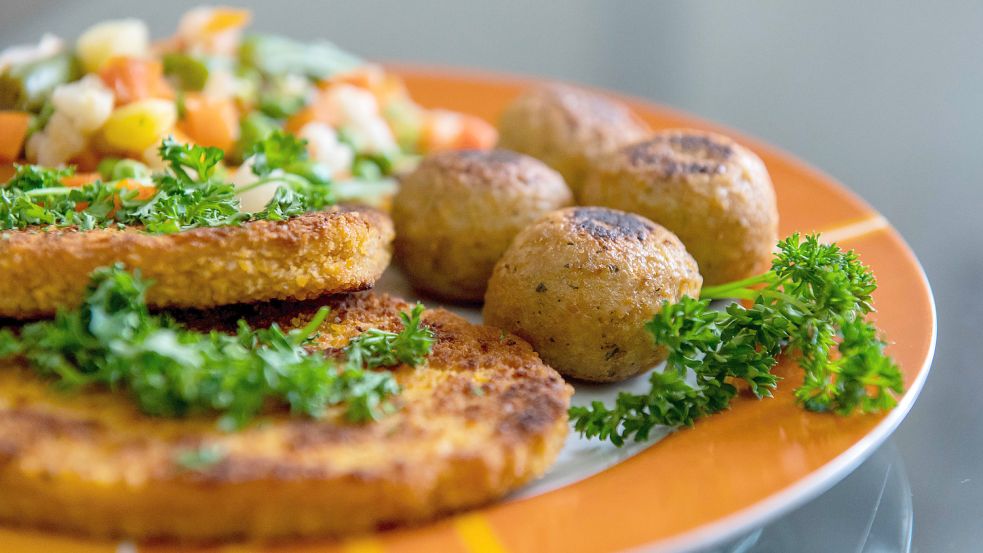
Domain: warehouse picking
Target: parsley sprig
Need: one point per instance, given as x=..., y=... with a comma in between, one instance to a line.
x=191, y=193
x=304, y=185
x=113, y=341
x=379, y=348
x=813, y=303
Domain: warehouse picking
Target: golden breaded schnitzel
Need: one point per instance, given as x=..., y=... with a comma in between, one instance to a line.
x=324, y=252
x=483, y=416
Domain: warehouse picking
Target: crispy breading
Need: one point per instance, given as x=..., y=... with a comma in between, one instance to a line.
x=326, y=252
x=483, y=416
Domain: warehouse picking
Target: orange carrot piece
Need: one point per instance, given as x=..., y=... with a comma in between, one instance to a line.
x=134, y=79
x=210, y=121
x=476, y=133
x=144, y=191
x=384, y=86
x=78, y=180
x=6, y=172
x=13, y=132
x=447, y=130
x=322, y=109
x=225, y=19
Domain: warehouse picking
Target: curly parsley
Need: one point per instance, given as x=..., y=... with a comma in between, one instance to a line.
x=113, y=341
x=813, y=301
x=191, y=193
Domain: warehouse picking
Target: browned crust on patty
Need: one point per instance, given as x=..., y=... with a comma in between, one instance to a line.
x=712, y=192
x=337, y=250
x=482, y=417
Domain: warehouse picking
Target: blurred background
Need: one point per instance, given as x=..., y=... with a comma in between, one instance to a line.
x=885, y=96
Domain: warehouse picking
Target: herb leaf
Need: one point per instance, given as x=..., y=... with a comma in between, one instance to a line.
x=378, y=348
x=813, y=301
x=190, y=194
x=113, y=341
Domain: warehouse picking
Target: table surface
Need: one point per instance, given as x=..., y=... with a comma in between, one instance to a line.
x=884, y=97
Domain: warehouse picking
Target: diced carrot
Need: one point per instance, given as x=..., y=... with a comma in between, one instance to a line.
x=210, y=121
x=134, y=79
x=86, y=161
x=447, y=130
x=6, y=172
x=384, y=86
x=13, y=131
x=225, y=18
x=476, y=133
x=322, y=109
x=365, y=76
x=79, y=180
x=144, y=191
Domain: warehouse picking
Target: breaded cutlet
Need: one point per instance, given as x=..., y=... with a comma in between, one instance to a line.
x=480, y=418
x=325, y=252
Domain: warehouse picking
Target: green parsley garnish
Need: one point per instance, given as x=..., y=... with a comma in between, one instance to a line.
x=113, y=341
x=191, y=193
x=378, y=348
x=812, y=302
x=304, y=185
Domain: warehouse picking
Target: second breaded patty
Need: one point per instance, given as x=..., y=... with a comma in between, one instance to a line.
x=482, y=416
x=333, y=251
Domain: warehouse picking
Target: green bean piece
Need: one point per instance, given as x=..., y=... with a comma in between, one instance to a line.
x=189, y=72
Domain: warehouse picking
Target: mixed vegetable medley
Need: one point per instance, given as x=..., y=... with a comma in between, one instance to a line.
x=105, y=103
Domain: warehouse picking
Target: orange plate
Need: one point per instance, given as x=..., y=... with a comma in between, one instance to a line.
x=728, y=474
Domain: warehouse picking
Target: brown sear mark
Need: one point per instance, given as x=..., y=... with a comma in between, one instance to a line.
x=699, y=143
x=608, y=224
x=681, y=154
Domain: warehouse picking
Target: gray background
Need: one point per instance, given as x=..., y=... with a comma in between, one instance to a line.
x=885, y=96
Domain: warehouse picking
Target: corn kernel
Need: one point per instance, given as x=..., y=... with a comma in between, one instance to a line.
x=138, y=126
x=122, y=37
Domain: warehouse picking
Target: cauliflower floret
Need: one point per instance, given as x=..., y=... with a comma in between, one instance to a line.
x=373, y=136
x=86, y=102
x=324, y=147
x=81, y=108
x=359, y=114
x=254, y=199
x=59, y=142
x=26, y=53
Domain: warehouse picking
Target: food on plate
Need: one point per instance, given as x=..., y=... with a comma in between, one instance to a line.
x=579, y=285
x=478, y=416
x=324, y=252
x=458, y=212
x=712, y=192
x=187, y=229
x=568, y=128
x=813, y=303
x=115, y=92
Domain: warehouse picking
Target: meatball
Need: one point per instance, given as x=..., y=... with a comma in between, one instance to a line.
x=715, y=194
x=581, y=283
x=567, y=128
x=458, y=211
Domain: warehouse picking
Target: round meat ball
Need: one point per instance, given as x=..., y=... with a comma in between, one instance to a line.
x=712, y=192
x=581, y=283
x=458, y=211
x=567, y=128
